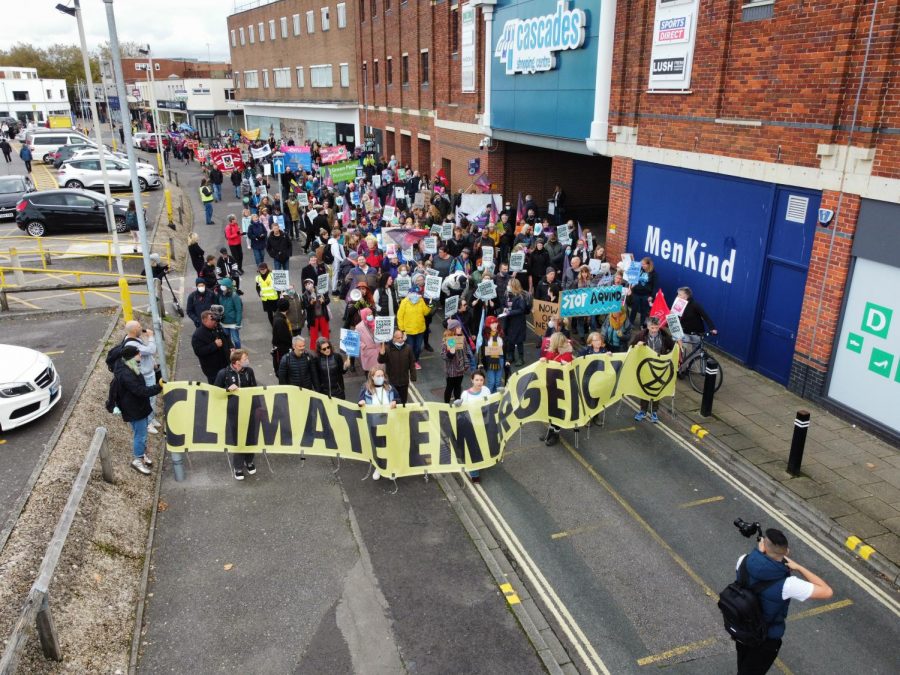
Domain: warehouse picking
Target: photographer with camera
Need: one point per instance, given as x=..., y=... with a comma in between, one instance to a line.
x=766, y=574
x=211, y=345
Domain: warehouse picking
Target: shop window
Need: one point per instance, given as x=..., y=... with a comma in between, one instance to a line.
x=757, y=10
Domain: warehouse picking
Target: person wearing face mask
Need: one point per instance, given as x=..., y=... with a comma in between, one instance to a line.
x=377, y=391
x=411, y=320
x=368, y=348
x=490, y=358
x=661, y=342
x=199, y=301
x=234, y=311
x=456, y=359
x=133, y=396
x=237, y=375
x=399, y=364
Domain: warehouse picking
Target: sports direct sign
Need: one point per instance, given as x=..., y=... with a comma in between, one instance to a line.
x=528, y=45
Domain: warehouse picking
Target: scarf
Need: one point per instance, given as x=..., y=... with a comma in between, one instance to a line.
x=617, y=320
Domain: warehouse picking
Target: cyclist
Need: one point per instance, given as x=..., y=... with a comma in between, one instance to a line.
x=694, y=319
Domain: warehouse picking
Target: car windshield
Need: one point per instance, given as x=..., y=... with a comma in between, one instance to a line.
x=10, y=184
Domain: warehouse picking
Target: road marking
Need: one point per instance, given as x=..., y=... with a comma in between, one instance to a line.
x=699, y=502
x=677, y=651
x=576, y=530
x=865, y=551
x=61, y=351
x=22, y=302
x=43, y=179
x=698, y=431
x=2, y=441
x=815, y=611
x=616, y=431
x=511, y=596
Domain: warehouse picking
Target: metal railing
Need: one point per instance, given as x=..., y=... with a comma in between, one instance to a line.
x=13, y=289
x=47, y=252
x=37, y=603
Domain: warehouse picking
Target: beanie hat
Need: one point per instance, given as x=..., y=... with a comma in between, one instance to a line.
x=129, y=352
x=453, y=324
x=283, y=304
x=199, y=280
x=228, y=283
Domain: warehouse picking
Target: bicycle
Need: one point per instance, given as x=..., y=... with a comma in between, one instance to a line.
x=693, y=365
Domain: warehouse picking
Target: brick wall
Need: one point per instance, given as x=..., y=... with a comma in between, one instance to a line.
x=619, y=206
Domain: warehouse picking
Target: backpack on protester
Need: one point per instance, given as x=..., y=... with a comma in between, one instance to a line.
x=327, y=255
x=529, y=302
x=112, y=397
x=114, y=354
x=741, y=611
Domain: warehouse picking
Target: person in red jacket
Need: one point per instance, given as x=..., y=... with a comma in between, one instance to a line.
x=559, y=350
x=234, y=237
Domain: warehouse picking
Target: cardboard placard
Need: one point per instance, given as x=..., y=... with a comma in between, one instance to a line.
x=384, y=328
x=678, y=306
x=517, y=261
x=388, y=213
x=431, y=272
x=455, y=342
x=487, y=255
x=402, y=283
x=674, y=324
x=281, y=280
x=451, y=306
x=541, y=314
x=493, y=350
x=322, y=284
x=487, y=290
x=447, y=231
x=431, y=245
x=349, y=342
x=432, y=287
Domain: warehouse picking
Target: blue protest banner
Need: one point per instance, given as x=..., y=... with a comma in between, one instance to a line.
x=350, y=342
x=633, y=273
x=591, y=301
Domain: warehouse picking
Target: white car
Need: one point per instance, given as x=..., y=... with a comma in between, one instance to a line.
x=93, y=153
x=85, y=173
x=29, y=386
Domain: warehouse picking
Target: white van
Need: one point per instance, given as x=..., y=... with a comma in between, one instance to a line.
x=41, y=145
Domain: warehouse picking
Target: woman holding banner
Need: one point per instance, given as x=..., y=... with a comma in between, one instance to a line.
x=616, y=331
x=515, y=316
x=559, y=350
x=455, y=352
x=330, y=369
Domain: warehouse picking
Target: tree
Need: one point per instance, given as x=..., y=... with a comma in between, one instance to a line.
x=57, y=61
x=127, y=50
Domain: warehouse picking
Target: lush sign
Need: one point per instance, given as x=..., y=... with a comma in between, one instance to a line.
x=529, y=45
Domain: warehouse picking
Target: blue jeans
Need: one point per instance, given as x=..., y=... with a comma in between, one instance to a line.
x=150, y=380
x=139, y=427
x=207, y=206
x=217, y=192
x=259, y=255
x=494, y=378
x=279, y=265
x=416, y=341
x=234, y=334
x=237, y=191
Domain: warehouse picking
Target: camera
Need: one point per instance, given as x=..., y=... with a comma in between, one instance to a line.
x=748, y=529
x=218, y=312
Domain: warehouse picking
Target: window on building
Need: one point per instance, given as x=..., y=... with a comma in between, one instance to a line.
x=342, y=14
x=282, y=78
x=389, y=70
x=296, y=20
x=251, y=30
x=345, y=74
x=251, y=79
x=300, y=78
x=20, y=96
x=310, y=22
x=49, y=94
x=229, y=95
x=375, y=73
x=404, y=69
x=326, y=19
x=265, y=78
x=237, y=80
x=321, y=76
x=233, y=39
x=241, y=33
x=362, y=10
x=757, y=10
x=284, y=28
x=387, y=5
x=271, y=29
x=423, y=66
x=374, y=8
x=454, y=30
x=261, y=31
x=62, y=93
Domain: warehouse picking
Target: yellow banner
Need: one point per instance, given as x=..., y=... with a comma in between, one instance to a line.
x=250, y=134
x=414, y=439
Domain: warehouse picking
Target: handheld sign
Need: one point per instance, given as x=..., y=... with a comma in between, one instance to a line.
x=517, y=261
x=388, y=213
x=431, y=272
x=399, y=192
x=594, y=266
x=384, y=328
x=436, y=230
x=494, y=350
x=431, y=245
x=633, y=273
x=486, y=290
x=409, y=254
x=322, y=284
x=675, y=329
x=565, y=237
x=487, y=255
x=678, y=306
x=402, y=283
x=303, y=199
x=281, y=280
x=349, y=342
x=541, y=315
x=432, y=287
x=451, y=306
x=447, y=231
x=591, y=301
x=338, y=201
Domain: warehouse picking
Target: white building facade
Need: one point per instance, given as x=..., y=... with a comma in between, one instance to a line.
x=30, y=98
x=206, y=104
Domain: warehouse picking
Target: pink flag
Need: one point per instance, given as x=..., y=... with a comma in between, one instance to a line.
x=377, y=201
x=483, y=183
x=494, y=217
x=346, y=214
x=520, y=210
x=391, y=201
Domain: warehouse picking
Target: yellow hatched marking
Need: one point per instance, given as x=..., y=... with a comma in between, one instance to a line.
x=511, y=596
x=43, y=178
x=699, y=502
x=576, y=530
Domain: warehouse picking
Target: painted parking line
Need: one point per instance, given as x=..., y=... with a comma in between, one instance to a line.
x=54, y=353
x=700, y=502
x=576, y=530
x=43, y=178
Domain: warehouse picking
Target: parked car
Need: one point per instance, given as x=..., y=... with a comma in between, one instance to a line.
x=12, y=189
x=139, y=136
x=86, y=173
x=13, y=124
x=67, y=152
x=93, y=153
x=29, y=386
x=66, y=211
x=42, y=145
x=149, y=143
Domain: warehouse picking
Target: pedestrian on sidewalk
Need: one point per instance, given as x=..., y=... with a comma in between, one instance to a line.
x=133, y=398
x=144, y=340
x=131, y=223
x=234, y=237
x=211, y=346
x=199, y=300
x=237, y=375
x=207, y=197
x=768, y=564
x=7, y=150
x=400, y=364
x=216, y=177
x=25, y=155
x=659, y=340
x=234, y=311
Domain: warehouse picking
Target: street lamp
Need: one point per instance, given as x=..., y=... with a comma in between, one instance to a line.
x=159, y=140
x=101, y=149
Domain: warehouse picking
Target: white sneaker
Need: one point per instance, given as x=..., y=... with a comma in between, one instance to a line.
x=152, y=430
x=155, y=424
x=376, y=474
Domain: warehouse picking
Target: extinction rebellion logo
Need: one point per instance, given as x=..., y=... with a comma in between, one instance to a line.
x=528, y=45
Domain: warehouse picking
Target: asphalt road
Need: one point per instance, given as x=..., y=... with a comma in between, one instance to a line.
x=69, y=339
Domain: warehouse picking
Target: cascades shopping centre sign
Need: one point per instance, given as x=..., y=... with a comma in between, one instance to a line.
x=528, y=45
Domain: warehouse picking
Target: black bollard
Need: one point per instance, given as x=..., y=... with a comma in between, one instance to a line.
x=709, y=386
x=798, y=442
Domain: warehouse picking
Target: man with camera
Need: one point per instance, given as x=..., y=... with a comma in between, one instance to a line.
x=768, y=569
x=211, y=345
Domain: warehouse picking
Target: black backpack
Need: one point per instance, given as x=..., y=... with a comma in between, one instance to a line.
x=112, y=398
x=114, y=354
x=739, y=604
x=327, y=255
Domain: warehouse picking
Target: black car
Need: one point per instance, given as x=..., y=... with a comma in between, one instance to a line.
x=65, y=153
x=12, y=189
x=66, y=211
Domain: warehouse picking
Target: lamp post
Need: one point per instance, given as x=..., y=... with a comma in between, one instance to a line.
x=159, y=139
x=135, y=184
x=112, y=127
x=98, y=136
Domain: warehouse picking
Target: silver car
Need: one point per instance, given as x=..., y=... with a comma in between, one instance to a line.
x=85, y=173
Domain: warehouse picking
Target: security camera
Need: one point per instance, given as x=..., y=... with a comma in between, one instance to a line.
x=482, y=143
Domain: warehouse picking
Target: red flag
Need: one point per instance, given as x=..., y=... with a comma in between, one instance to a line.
x=391, y=200
x=494, y=217
x=227, y=159
x=659, y=308
x=520, y=210
x=483, y=183
x=440, y=175
x=377, y=201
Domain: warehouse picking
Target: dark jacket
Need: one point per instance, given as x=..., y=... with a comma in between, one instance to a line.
x=212, y=358
x=399, y=364
x=279, y=247
x=236, y=178
x=299, y=371
x=281, y=333
x=545, y=289
x=645, y=288
x=330, y=371
x=257, y=235
x=216, y=177
x=516, y=314
x=198, y=258
x=667, y=342
x=133, y=396
x=537, y=263
x=197, y=304
x=694, y=317
x=229, y=376
x=760, y=567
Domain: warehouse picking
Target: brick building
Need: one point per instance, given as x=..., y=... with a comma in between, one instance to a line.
x=135, y=70
x=295, y=69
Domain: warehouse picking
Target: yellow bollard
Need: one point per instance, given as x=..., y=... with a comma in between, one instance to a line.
x=169, y=204
x=159, y=160
x=41, y=253
x=127, y=310
x=109, y=255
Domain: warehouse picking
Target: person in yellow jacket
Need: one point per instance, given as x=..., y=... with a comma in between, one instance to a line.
x=411, y=320
x=207, y=196
x=265, y=289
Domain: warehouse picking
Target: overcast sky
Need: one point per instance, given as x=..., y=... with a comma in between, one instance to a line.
x=172, y=27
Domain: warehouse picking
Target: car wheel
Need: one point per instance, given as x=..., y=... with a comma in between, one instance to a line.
x=142, y=183
x=35, y=228
x=74, y=184
x=121, y=228
x=46, y=158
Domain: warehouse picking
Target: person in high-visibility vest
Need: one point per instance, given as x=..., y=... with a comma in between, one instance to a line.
x=207, y=196
x=265, y=289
